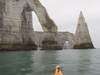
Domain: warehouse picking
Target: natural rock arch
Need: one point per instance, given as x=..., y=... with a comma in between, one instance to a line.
x=16, y=20
x=26, y=27
x=16, y=26
x=44, y=19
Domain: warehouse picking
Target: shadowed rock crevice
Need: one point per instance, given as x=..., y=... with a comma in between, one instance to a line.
x=49, y=43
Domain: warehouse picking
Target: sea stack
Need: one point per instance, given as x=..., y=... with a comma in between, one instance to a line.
x=82, y=36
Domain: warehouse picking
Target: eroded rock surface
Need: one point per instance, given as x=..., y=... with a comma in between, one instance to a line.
x=17, y=33
x=82, y=36
x=16, y=21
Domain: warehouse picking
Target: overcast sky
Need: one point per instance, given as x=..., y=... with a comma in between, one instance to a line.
x=65, y=14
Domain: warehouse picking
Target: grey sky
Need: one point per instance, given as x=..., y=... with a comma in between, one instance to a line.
x=65, y=14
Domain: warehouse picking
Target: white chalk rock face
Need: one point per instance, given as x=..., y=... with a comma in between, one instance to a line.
x=82, y=36
x=16, y=21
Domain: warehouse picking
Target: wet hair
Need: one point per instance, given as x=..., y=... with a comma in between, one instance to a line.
x=59, y=69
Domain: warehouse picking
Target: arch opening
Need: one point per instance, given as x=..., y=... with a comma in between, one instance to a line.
x=35, y=22
x=66, y=44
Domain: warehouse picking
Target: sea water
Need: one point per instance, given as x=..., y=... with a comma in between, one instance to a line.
x=72, y=62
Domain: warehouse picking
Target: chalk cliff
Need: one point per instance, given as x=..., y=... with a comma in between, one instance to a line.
x=82, y=36
x=16, y=22
x=17, y=33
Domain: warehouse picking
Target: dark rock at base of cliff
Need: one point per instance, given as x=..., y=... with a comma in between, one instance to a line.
x=50, y=45
x=17, y=47
x=84, y=46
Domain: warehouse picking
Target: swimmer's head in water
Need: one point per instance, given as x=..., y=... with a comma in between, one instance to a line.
x=58, y=70
x=58, y=67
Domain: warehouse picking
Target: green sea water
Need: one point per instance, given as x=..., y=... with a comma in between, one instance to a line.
x=73, y=62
